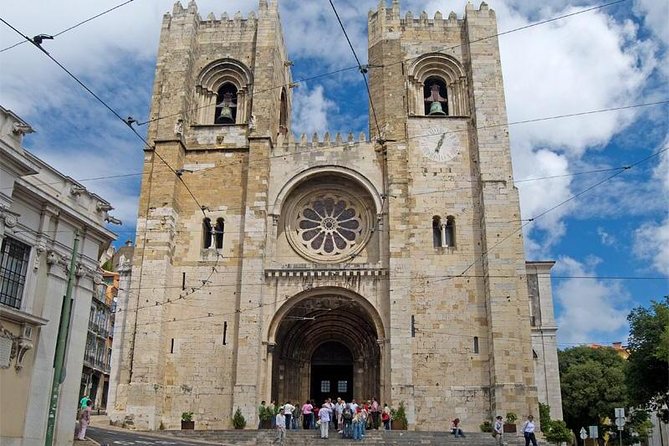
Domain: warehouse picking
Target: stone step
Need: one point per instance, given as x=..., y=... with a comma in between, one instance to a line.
x=372, y=437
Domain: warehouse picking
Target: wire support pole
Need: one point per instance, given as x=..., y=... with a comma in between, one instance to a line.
x=61, y=345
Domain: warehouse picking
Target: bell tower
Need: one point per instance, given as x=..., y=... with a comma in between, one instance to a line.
x=221, y=99
x=461, y=332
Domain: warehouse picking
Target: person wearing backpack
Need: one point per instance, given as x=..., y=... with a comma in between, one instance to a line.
x=347, y=418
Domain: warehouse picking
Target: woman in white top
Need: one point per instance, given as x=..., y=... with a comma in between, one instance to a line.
x=499, y=430
x=528, y=431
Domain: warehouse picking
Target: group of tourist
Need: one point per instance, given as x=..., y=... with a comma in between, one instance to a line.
x=350, y=420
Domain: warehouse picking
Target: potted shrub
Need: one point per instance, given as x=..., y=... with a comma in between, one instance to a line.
x=238, y=420
x=187, y=421
x=266, y=414
x=398, y=420
x=510, y=423
x=486, y=426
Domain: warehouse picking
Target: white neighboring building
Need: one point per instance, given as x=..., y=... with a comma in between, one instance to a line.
x=544, y=335
x=40, y=210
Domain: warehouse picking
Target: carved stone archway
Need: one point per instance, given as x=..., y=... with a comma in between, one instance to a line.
x=326, y=345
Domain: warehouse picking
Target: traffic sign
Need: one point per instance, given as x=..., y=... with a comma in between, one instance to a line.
x=594, y=431
x=620, y=422
x=620, y=412
x=583, y=433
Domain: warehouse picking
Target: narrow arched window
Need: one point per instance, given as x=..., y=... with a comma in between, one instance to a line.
x=435, y=96
x=436, y=231
x=476, y=344
x=449, y=232
x=283, y=114
x=226, y=105
x=206, y=233
x=218, y=232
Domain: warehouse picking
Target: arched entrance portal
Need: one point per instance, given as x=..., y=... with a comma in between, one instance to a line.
x=326, y=346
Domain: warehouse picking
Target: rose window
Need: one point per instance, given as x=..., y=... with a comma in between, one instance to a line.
x=329, y=226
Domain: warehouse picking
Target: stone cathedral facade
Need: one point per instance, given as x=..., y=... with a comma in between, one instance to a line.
x=273, y=268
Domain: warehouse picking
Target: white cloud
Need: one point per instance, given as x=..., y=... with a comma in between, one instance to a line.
x=590, y=309
x=604, y=237
x=310, y=110
x=651, y=240
x=652, y=243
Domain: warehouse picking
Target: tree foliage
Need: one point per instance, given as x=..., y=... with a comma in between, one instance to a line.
x=593, y=384
x=648, y=363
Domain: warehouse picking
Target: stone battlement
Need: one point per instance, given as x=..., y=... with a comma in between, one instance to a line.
x=291, y=143
x=392, y=14
x=236, y=19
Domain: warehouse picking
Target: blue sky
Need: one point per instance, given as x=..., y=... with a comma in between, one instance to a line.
x=607, y=58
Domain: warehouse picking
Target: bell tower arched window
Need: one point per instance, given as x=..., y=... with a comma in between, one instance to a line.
x=222, y=93
x=435, y=95
x=437, y=86
x=226, y=104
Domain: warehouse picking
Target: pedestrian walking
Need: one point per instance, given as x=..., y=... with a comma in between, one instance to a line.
x=528, y=431
x=325, y=414
x=85, y=420
x=498, y=430
x=280, y=421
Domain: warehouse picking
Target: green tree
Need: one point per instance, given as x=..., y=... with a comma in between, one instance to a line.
x=648, y=362
x=593, y=384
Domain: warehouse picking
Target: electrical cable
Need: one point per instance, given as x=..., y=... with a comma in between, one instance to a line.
x=330, y=73
x=363, y=71
x=129, y=121
x=73, y=26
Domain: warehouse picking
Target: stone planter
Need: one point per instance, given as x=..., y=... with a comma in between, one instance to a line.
x=509, y=428
x=187, y=425
x=398, y=425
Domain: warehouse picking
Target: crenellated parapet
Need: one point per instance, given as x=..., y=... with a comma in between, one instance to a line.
x=391, y=16
x=293, y=143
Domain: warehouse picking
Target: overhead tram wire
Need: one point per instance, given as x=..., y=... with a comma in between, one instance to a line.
x=129, y=121
x=584, y=172
x=574, y=196
x=73, y=26
x=520, y=28
x=330, y=73
x=363, y=70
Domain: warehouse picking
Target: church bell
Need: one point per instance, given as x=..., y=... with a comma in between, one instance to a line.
x=436, y=109
x=226, y=115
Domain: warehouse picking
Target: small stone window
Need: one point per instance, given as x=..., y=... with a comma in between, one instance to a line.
x=436, y=231
x=449, y=231
x=443, y=234
x=219, y=229
x=476, y=344
x=206, y=233
x=283, y=114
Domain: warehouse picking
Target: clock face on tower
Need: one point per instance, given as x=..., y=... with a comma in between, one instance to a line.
x=438, y=144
